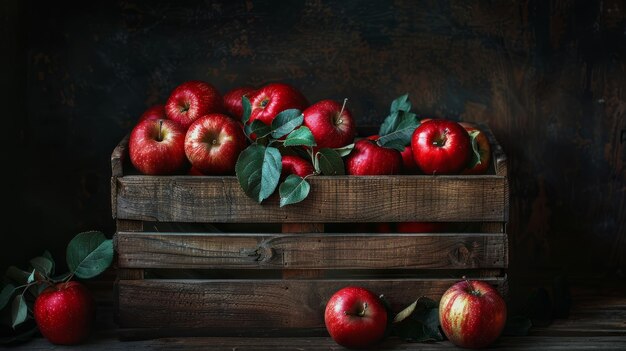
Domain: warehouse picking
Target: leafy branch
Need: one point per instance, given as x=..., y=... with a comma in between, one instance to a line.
x=88, y=255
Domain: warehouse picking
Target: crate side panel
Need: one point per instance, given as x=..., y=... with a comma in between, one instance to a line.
x=332, y=199
x=311, y=251
x=285, y=304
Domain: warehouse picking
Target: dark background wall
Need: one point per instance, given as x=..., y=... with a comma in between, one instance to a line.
x=549, y=77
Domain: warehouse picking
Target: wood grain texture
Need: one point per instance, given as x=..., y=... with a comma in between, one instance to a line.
x=163, y=341
x=290, y=273
x=311, y=251
x=332, y=199
x=249, y=304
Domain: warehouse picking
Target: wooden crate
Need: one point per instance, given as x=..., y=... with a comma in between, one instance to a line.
x=186, y=280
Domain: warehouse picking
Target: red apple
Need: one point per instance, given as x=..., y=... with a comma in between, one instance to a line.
x=274, y=98
x=441, y=147
x=296, y=165
x=367, y=158
x=157, y=147
x=213, y=144
x=64, y=313
x=420, y=227
x=484, y=150
x=472, y=314
x=232, y=101
x=192, y=100
x=408, y=162
x=153, y=112
x=331, y=124
x=355, y=317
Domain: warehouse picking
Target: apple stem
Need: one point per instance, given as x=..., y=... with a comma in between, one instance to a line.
x=362, y=312
x=471, y=287
x=343, y=107
x=160, y=130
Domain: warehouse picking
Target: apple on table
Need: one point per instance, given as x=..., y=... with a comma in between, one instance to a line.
x=472, y=314
x=355, y=317
x=64, y=313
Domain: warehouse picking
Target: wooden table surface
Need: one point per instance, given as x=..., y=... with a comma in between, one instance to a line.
x=597, y=321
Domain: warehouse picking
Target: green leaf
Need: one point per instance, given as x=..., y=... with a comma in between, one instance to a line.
x=389, y=124
x=517, y=326
x=61, y=277
x=345, y=150
x=285, y=122
x=247, y=109
x=42, y=265
x=398, y=112
x=258, y=128
x=5, y=295
x=401, y=103
x=293, y=190
x=419, y=321
x=17, y=275
x=258, y=171
x=405, y=313
x=48, y=255
x=400, y=136
x=300, y=137
x=330, y=163
x=19, y=311
x=31, y=277
x=475, y=160
x=89, y=254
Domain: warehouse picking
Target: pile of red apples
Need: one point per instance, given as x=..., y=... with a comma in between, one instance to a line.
x=199, y=132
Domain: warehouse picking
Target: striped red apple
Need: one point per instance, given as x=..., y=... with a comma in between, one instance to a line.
x=472, y=314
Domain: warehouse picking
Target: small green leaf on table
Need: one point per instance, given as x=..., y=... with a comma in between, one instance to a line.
x=300, y=137
x=285, y=122
x=330, y=162
x=258, y=171
x=293, y=190
x=419, y=321
x=19, y=311
x=89, y=254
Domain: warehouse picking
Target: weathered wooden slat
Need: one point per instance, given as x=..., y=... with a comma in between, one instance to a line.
x=332, y=199
x=290, y=273
x=311, y=251
x=163, y=341
x=286, y=304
